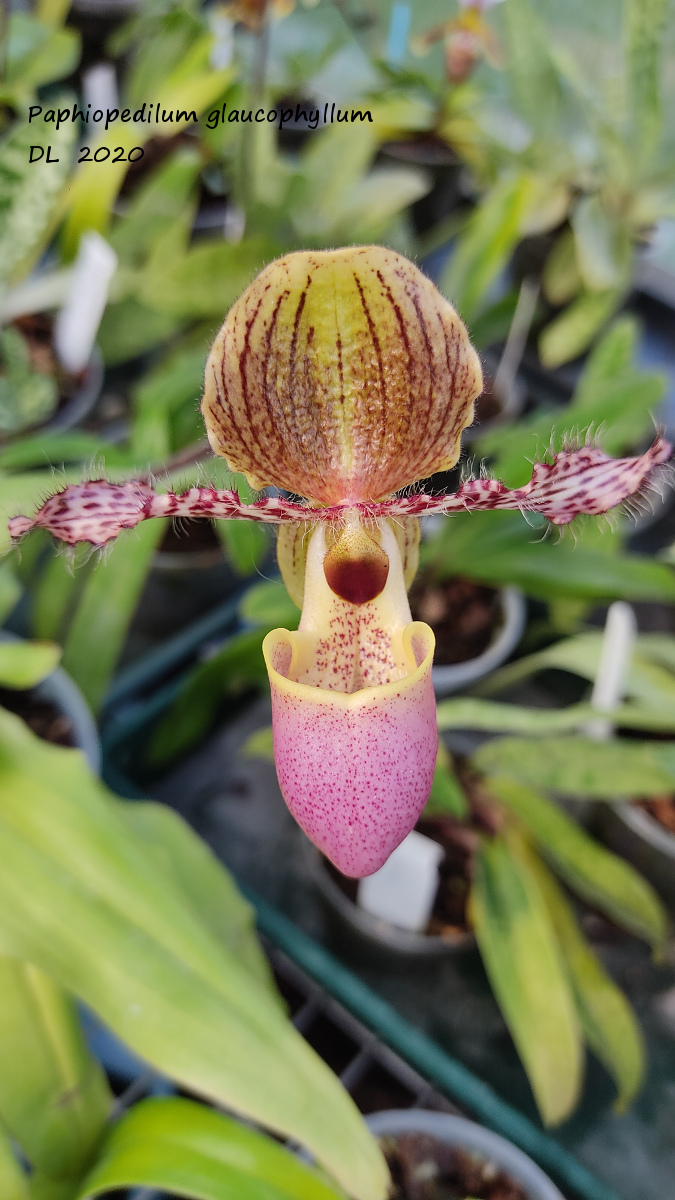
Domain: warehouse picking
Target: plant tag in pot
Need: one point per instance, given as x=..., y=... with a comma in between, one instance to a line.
x=78, y=321
x=404, y=889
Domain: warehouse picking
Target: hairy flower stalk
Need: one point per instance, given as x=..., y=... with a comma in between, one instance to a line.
x=344, y=377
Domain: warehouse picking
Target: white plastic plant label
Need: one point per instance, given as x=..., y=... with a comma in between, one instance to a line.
x=99, y=88
x=78, y=320
x=610, y=682
x=404, y=889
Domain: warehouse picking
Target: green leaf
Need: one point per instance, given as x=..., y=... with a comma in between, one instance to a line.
x=522, y=958
x=10, y=590
x=207, y=888
x=561, y=279
x=372, y=202
x=13, y=1181
x=206, y=280
x=650, y=681
x=607, y=1019
x=468, y=713
x=611, y=396
x=81, y=899
x=601, y=254
x=57, y=449
x=268, y=603
x=484, y=248
x=54, y=592
x=30, y=194
x=245, y=543
x=130, y=328
x=177, y=380
x=95, y=185
x=185, y=1148
x=259, y=744
x=156, y=205
x=110, y=595
x=23, y=664
x=54, y=55
x=446, y=796
x=578, y=766
x=608, y=361
x=501, y=548
x=54, y=1096
x=567, y=336
x=238, y=666
x=598, y=876
x=333, y=164
x=644, y=33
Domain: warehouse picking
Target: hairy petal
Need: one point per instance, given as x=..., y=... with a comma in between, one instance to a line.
x=97, y=511
x=340, y=375
x=574, y=482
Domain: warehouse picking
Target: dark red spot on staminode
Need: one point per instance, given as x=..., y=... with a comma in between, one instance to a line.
x=357, y=578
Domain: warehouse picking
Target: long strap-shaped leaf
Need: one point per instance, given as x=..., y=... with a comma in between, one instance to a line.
x=608, y=1022
x=523, y=962
x=191, y=1150
x=13, y=1181
x=54, y=1098
x=81, y=899
x=597, y=875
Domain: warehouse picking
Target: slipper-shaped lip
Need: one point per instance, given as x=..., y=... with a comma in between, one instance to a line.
x=355, y=768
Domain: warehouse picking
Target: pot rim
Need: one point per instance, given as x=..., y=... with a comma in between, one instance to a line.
x=375, y=929
x=468, y=1135
x=646, y=827
x=451, y=678
x=62, y=691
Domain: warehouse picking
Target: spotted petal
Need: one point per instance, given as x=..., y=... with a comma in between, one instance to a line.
x=340, y=375
x=574, y=482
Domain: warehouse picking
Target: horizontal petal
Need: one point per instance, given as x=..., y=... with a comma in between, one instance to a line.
x=574, y=482
x=340, y=375
x=355, y=768
x=97, y=511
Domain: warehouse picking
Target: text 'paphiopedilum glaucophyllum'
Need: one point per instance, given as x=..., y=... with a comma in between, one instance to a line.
x=344, y=377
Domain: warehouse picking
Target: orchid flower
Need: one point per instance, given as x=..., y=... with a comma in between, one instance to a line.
x=466, y=39
x=344, y=377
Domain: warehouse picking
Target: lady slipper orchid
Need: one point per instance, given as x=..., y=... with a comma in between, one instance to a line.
x=344, y=377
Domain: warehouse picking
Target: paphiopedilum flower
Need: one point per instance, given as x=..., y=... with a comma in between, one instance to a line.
x=344, y=377
x=466, y=39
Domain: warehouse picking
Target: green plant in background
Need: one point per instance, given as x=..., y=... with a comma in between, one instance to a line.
x=613, y=401
x=122, y=907
x=37, y=49
x=27, y=397
x=554, y=993
x=570, y=140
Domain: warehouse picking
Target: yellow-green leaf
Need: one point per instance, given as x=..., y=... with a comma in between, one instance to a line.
x=54, y=1097
x=522, y=958
x=609, y=1024
x=193, y=1151
x=597, y=875
x=82, y=899
x=23, y=664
